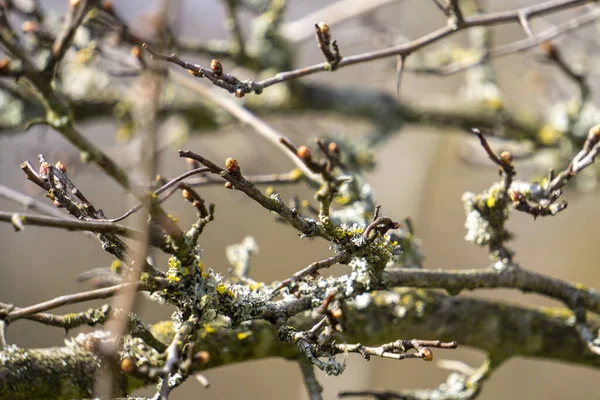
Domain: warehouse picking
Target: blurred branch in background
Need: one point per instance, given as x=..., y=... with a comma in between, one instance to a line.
x=91, y=63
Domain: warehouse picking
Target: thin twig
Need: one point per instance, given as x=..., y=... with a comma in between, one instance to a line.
x=76, y=298
x=397, y=350
x=311, y=270
x=514, y=47
x=245, y=117
x=405, y=49
x=70, y=224
x=75, y=15
x=311, y=383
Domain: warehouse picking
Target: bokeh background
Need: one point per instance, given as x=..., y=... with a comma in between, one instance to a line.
x=421, y=173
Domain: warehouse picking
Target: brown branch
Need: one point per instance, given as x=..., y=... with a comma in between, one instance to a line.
x=502, y=17
x=514, y=47
x=76, y=298
x=75, y=15
x=312, y=269
x=455, y=281
x=238, y=182
x=397, y=350
x=233, y=84
x=73, y=225
x=311, y=383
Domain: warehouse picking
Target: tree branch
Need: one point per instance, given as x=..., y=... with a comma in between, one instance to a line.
x=546, y=333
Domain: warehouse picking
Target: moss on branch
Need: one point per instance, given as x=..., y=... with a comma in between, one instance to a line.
x=500, y=329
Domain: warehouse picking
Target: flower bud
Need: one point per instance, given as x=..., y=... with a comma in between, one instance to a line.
x=549, y=49
x=506, y=157
x=594, y=132
x=202, y=357
x=239, y=93
x=333, y=148
x=44, y=168
x=136, y=51
x=29, y=27
x=516, y=197
x=427, y=354
x=61, y=167
x=128, y=365
x=304, y=153
x=323, y=28
x=232, y=165
x=216, y=67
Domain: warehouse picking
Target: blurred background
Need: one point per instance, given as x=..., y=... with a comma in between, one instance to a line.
x=421, y=172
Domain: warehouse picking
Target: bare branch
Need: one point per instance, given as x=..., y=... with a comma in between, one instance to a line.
x=71, y=224
x=76, y=298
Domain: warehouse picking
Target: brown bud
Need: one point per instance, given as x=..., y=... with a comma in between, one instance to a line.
x=239, y=93
x=136, y=51
x=61, y=167
x=107, y=6
x=395, y=225
x=216, y=67
x=228, y=185
x=128, y=365
x=29, y=27
x=202, y=357
x=74, y=3
x=594, y=132
x=506, y=157
x=337, y=313
x=427, y=354
x=549, y=49
x=186, y=194
x=333, y=148
x=516, y=197
x=57, y=204
x=194, y=73
x=4, y=63
x=44, y=168
x=232, y=165
x=323, y=28
x=304, y=153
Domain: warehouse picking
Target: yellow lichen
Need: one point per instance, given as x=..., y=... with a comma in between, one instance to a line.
x=243, y=335
x=343, y=200
x=164, y=328
x=115, y=266
x=207, y=331
x=296, y=174
x=221, y=288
